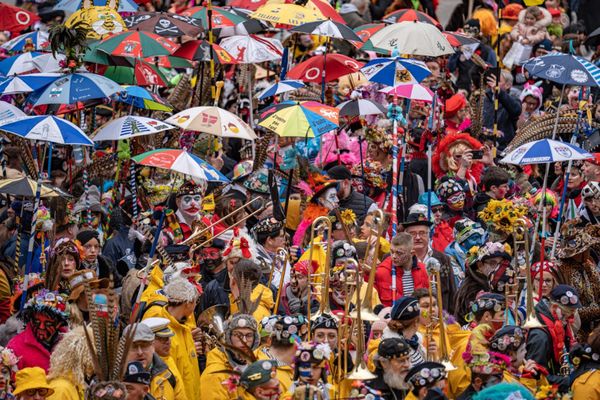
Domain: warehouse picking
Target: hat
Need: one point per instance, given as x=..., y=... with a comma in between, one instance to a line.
x=512, y=11
x=393, y=348
x=266, y=226
x=454, y=104
x=591, y=191
x=135, y=373
x=302, y=267
x=257, y=373
x=405, y=308
x=465, y=228
x=189, y=188
x=575, y=240
x=31, y=378
x=489, y=250
x=85, y=236
x=258, y=181
x=142, y=333
x=435, y=201
x=240, y=246
x=416, y=218
x=554, y=12
x=48, y=302
x=313, y=353
x=485, y=301
x=339, y=172
x=178, y=252
x=159, y=326
x=534, y=91
x=180, y=290
x=594, y=160
x=284, y=328
x=565, y=295
x=80, y=278
x=341, y=251
x=508, y=338
x=448, y=187
x=324, y=321
x=241, y=321
x=425, y=374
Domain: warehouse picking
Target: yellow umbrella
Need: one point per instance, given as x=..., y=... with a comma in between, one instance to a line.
x=26, y=187
x=278, y=12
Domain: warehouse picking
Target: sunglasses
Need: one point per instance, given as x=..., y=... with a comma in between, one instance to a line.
x=437, y=209
x=32, y=392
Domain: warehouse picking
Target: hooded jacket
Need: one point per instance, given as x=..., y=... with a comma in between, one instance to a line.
x=165, y=383
x=265, y=305
x=31, y=353
x=213, y=376
x=64, y=389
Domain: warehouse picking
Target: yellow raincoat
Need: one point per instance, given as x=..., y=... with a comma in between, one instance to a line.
x=183, y=350
x=155, y=283
x=265, y=306
x=587, y=386
x=285, y=373
x=64, y=389
x=460, y=378
x=213, y=377
x=161, y=387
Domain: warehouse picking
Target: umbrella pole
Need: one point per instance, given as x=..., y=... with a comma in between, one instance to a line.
x=394, y=200
x=540, y=208
x=323, y=72
x=562, y=92
x=19, y=235
x=563, y=198
x=209, y=12
x=362, y=169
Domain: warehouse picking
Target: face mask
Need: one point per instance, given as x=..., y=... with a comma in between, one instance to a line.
x=45, y=328
x=329, y=199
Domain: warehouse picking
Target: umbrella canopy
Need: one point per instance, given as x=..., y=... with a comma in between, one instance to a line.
x=39, y=39
x=564, y=69
x=76, y=87
x=283, y=86
x=251, y=5
x=545, y=151
x=48, y=62
x=252, y=49
x=164, y=24
x=288, y=14
x=328, y=28
x=458, y=39
x=137, y=44
x=15, y=19
x=335, y=65
x=352, y=108
x=300, y=119
x=413, y=38
x=395, y=71
x=169, y=62
x=8, y=111
x=142, y=98
x=47, y=128
x=202, y=50
x=413, y=92
x=410, y=15
x=26, y=83
x=214, y=120
x=221, y=17
x=181, y=161
x=70, y=6
x=325, y=8
x=19, y=64
x=26, y=187
x=130, y=126
x=141, y=73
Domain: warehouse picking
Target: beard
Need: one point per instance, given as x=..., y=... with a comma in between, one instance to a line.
x=394, y=380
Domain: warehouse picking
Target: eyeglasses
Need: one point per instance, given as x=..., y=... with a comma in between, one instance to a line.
x=437, y=209
x=419, y=233
x=248, y=337
x=41, y=391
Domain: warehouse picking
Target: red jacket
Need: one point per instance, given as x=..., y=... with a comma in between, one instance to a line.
x=31, y=353
x=383, y=280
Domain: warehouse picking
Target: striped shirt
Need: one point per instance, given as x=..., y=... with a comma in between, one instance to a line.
x=408, y=285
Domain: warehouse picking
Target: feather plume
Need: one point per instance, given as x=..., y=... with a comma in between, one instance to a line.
x=245, y=353
x=244, y=301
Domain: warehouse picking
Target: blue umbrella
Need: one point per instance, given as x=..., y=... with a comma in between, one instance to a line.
x=545, y=151
x=47, y=128
x=38, y=38
x=18, y=64
x=395, y=71
x=564, y=69
x=282, y=86
x=26, y=83
x=75, y=87
x=71, y=6
x=142, y=98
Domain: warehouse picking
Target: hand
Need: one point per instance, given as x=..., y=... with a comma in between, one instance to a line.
x=529, y=365
x=488, y=156
x=491, y=81
x=294, y=253
x=525, y=41
x=197, y=334
x=466, y=160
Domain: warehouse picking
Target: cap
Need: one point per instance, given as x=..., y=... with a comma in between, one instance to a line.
x=405, y=308
x=302, y=267
x=415, y=219
x=142, y=332
x=266, y=226
x=189, y=188
x=159, y=326
x=555, y=12
x=425, y=374
x=257, y=373
x=324, y=321
x=339, y=172
x=135, y=373
x=455, y=104
x=424, y=198
x=488, y=302
x=595, y=159
x=341, y=250
x=393, y=348
x=508, y=338
x=565, y=295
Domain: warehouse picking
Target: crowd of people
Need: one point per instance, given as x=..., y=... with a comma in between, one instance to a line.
x=314, y=272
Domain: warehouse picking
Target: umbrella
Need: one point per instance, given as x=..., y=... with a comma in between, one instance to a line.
x=300, y=119
x=8, y=111
x=164, y=24
x=565, y=69
x=410, y=15
x=283, y=86
x=251, y=5
x=47, y=128
x=458, y=39
x=324, y=8
x=70, y=6
x=72, y=88
x=545, y=151
x=365, y=32
x=328, y=28
x=39, y=40
x=49, y=62
x=137, y=44
x=143, y=73
x=181, y=161
x=25, y=83
x=142, y=98
x=252, y=48
x=169, y=62
x=19, y=64
x=413, y=38
x=288, y=14
x=247, y=27
x=352, y=108
x=410, y=91
x=15, y=19
x=200, y=50
x=213, y=120
x=311, y=70
x=130, y=126
x=395, y=71
x=26, y=187
x=220, y=18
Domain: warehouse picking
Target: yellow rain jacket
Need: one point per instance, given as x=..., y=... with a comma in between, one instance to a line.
x=460, y=378
x=166, y=383
x=183, y=351
x=587, y=386
x=285, y=373
x=64, y=389
x=213, y=377
x=155, y=283
x=265, y=306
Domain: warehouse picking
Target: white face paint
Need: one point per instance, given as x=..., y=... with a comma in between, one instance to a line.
x=329, y=199
x=190, y=205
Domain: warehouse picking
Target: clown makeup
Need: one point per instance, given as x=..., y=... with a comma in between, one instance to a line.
x=4, y=379
x=211, y=257
x=268, y=391
x=68, y=265
x=329, y=199
x=45, y=328
x=190, y=205
x=456, y=202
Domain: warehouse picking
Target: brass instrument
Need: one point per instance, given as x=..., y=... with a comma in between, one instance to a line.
x=324, y=307
x=520, y=230
x=212, y=324
x=360, y=371
x=366, y=305
x=284, y=256
x=345, y=328
x=434, y=269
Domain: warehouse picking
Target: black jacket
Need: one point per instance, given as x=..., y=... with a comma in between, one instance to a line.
x=357, y=202
x=387, y=393
x=509, y=110
x=480, y=201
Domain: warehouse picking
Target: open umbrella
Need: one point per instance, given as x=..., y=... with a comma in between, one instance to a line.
x=335, y=65
x=8, y=111
x=164, y=24
x=137, y=44
x=458, y=39
x=18, y=64
x=564, y=69
x=130, y=126
x=221, y=17
x=214, y=120
x=72, y=88
x=355, y=107
x=328, y=28
x=25, y=83
x=251, y=5
x=181, y=161
x=70, y=6
x=142, y=98
x=49, y=63
x=413, y=38
x=545, y=151
x=395, y=71
x=252, y=48
x=299, y=119
x=169, y=62
x=47, y=128
x=26, y=187
x=202, y=50
x=288, y=14
x=410, y=91
x=15, y=19
x=410, y=15
x=141, y=73
x=283, y=86
x=39, y=39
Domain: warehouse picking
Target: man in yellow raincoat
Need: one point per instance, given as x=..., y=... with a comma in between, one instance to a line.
x=259, y=381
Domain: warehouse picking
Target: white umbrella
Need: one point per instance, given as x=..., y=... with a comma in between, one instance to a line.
x=49, y=62
x=130, y=126
x=545, y=151
x=413, y=38
x=214, y=120
x=8, y=111
x=355, y=107
x=411, y=91
x=252, y=48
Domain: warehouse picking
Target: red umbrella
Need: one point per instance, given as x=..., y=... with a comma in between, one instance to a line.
x=198, y=50
x=15, y=19
x=408, y=14
x=336, y=65
x=458, y=39
x=251, y=5
x=327, y=10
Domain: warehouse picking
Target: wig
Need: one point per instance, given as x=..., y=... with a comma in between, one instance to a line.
x=72, y=358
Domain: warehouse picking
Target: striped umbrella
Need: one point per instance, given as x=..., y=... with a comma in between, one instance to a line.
x=328, y=28
x=8, y=111
x=47, y=128
x=130, y=126
x=299, y=119
x=142, y=98
x=352, y=108
x=408, y=14
x=458, y=39
x=137, y=44
x=26, y=187
x=19, y=64
x=39, y=40
x=73, y=88
x=413, y=92
x=202, y=50
x=286, y=85
x=395, y=71
x=70, y=6
x=252, y=49
x=545, y=151
x=181, y=161
x=26, y=83
x=220, y=18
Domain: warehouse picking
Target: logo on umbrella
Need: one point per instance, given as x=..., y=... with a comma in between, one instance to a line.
x=563, y=151
x=579, y=76
x=312, y=73
x=518, y=153
x=160, y=160
x=208, y=119
x=182, y=118
x=555, y=71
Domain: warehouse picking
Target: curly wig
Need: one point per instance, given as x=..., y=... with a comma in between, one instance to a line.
x=71, y=359
x=442, y=149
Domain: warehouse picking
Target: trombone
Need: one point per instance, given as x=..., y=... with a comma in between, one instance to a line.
x=434, y=268
x=282, y=255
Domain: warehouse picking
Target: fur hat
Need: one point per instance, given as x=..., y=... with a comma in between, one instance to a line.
x=180, y=290
x=534, y=91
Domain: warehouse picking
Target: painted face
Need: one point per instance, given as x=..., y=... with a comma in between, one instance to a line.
x=456, y=153
x=190, y=205
x=4, y=378
x=473, y=240
x=45, y=328
x=269, y=391
x=456, y=202
x=329, y=199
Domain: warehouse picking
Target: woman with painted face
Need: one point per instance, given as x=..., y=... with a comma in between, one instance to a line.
x=311, y=371
x=94, y=260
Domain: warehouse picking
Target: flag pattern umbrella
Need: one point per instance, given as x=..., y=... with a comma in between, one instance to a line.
x=564, y=69
x=413, y=92
x=335, y=66
x=164, y=24
x=352, y=108
x=395, y=71
x=8, y=111
x=72, y=88
x=15, y=19
x=299, y=119
x=221, y=18
x=252, y=48
x=328, y=28
x=142, y=98
x=412, y=38
x=283, y=86
x=26, y=187
x=181, y=161
x=202, y=50
x=137, y=44
x=214, y=120
x=130, y=126
x=39, y=39
x=26, y=83
x=46, y=128
x=410, y=15
x=545, y=151
x=18, y=64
